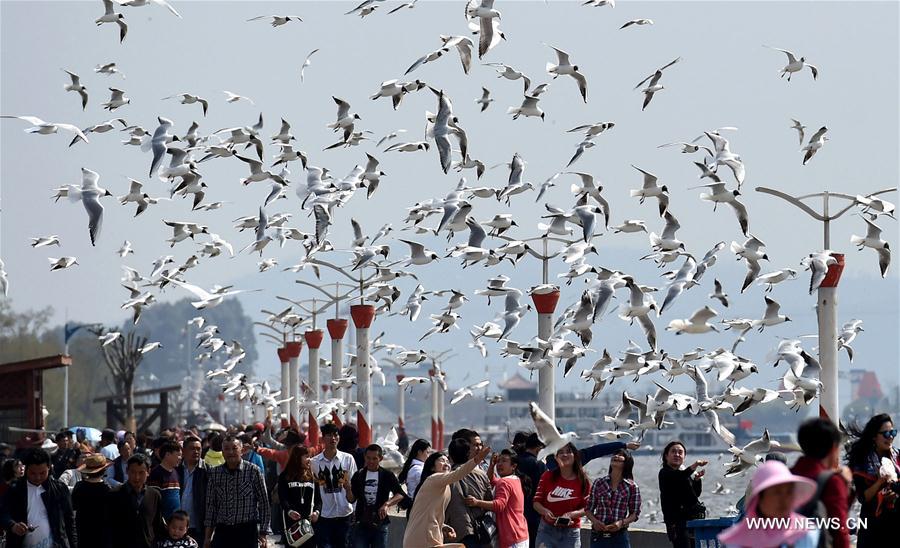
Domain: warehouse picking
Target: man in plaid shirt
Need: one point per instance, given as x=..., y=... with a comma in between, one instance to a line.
x=615, y=502
x=237, y=505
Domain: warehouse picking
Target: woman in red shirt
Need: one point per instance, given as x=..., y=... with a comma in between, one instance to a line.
x=560, y=499
x=509, y=501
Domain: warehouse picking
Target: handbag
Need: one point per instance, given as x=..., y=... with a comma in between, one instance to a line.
x=485, y=528
x=298, y=533
x=301, y=531
x=697, y=511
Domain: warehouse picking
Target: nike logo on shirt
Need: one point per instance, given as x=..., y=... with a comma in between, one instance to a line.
x=559, y=494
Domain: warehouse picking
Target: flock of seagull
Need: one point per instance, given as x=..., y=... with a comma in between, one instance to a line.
x=178, y=159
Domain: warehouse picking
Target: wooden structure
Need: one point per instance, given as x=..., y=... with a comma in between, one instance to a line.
x=146, y=412
x=22, y=391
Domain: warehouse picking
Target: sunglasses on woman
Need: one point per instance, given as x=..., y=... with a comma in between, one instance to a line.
x=889, y=434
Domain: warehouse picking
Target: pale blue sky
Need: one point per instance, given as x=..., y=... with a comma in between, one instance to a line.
x=726, y=78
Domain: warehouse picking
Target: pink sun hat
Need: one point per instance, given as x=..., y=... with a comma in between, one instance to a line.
x=770, y=474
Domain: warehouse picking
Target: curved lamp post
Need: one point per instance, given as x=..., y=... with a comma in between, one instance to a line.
x=827, y=295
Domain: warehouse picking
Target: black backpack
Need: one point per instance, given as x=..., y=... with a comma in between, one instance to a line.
x=815, y=508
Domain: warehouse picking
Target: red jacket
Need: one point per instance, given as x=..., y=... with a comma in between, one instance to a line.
x=835, y=496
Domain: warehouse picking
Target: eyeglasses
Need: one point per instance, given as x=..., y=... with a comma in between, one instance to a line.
x=889, y=434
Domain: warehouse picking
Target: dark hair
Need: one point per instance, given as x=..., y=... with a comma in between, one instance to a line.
x=817, y=437
x=293, y=438
x=294, y=469
x=139, y=459
x=465, y=434
x=519, y=438
x=417, y=447
x=121, y=444
x=670, y=445
x=215, y=442
x=523, y=478
x=191, y=439
x=376, y=448
x=458, y=450
x=627, y=466
x=231, y=438
x=576, y=467
x=777, y=456
x=180, y=515
x=427, y=470
x=8, y=472
x=349, y=439
x=864, y=440
x=329, y=429
x=107, y=435
x=168, y=447
x=36, y=456
x=64, y=434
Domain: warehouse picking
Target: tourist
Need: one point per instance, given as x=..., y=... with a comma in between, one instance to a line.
x=425, y=527
x=117, y=473
x=39, y=508
x=820, y=440
x=71, y=476
x=508, y=502
x=165, y=478
x=776, y=495
x=374, y=489
x=108, y=446
x=615, y=503
x=12, y=470
x=177, y=532
x=251, y=455
x=237, y=504
x=679, y=492
x=281, y=448
x=135, y=508
x=875, y=489
x=90, y=500
x=412, y=468
x=349, y=443
x=560, y=499
x=66, y=455
x=214, y=456
x=332, y=470
x=531, y=468
x=297, y=491
x=192, y=477
x=458, y=515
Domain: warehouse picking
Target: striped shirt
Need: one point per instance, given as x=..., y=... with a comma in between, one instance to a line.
x=237, y=496
x=609, y=505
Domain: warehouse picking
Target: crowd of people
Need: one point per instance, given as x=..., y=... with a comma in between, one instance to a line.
x=186, y=489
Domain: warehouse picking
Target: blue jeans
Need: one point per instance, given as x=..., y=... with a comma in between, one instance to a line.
x=619, y=540
x=370, y=536
x=549, y=536
x=332, y=532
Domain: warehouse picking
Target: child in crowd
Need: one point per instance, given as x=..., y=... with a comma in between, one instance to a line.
x=177, y=536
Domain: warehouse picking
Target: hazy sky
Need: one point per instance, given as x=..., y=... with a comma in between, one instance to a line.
x=726, y=78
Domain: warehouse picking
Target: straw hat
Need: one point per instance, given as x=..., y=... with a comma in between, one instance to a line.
x=94, y=464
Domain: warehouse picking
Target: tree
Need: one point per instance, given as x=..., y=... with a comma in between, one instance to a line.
x=123, y=356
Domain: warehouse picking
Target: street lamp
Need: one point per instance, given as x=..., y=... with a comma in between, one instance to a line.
x=363, y=315
x=545, y=302
x=68, y=333
x=826, y=309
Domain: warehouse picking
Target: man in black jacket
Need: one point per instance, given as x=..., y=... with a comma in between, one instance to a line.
x=192, y=474
x=39, y=506
x=135, y=508
x=374, y=490
x=533, y=469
